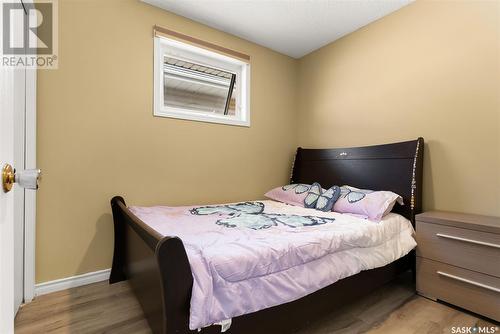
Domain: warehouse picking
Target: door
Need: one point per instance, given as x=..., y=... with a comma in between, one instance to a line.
x=19, y=109
x=13, y=103
x=6, y=203
x=19, y=115
x=15, y=185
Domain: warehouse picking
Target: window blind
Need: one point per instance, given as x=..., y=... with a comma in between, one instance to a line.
x=164, y=32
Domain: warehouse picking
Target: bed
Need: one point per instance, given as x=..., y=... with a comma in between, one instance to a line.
x=156, y=261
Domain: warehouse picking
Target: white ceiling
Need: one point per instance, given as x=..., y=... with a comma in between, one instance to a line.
x=291, y=27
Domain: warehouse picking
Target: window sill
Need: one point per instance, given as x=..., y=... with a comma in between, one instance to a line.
x=202, y=118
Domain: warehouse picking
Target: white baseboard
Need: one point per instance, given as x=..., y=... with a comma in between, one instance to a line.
x=71, y=282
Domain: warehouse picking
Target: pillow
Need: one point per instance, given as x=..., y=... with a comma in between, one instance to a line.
x=367, y=203
x=293, y=194
x=321, y=199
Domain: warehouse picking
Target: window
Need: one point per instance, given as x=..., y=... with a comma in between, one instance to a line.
x=197, y=84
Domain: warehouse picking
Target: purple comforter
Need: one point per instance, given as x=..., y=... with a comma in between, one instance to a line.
x=249, y=256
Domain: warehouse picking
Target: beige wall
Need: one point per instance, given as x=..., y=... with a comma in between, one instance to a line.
x=97, y=136
x=431, y=69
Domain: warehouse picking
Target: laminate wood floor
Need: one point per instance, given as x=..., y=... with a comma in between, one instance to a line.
x=103, y=308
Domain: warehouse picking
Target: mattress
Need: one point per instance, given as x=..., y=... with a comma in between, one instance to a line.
x=253, y=255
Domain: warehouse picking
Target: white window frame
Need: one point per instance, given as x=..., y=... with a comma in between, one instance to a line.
x=170, y=47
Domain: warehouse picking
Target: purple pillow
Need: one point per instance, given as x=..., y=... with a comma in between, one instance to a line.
x=366, y=203
x=293, y=194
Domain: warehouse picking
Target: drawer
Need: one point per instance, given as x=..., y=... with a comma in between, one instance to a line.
x=473, y=250
x=470, y=290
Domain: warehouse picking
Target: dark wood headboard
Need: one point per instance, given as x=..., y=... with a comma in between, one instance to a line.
x=396, y=167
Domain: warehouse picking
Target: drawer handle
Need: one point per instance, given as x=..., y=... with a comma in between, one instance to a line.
x=477, y=242
x=485, y=286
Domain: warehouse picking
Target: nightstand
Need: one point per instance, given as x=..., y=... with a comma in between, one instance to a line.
x=458, y=260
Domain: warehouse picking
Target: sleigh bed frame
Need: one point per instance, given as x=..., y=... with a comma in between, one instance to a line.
x=159, y=273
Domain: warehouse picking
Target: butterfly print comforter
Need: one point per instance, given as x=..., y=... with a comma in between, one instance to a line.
x=253, y=255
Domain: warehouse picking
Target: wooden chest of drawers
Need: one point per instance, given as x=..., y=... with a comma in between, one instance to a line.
x=458, y=260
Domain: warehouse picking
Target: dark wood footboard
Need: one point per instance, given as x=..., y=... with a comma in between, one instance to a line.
x=157, y=268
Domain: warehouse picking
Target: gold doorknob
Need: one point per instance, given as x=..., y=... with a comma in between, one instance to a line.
x=27, y=179
x=8, y=177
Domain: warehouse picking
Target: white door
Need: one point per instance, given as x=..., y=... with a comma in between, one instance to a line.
x=19, y=108
x=13, y=100
x=12, y=103
x=7, y=203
